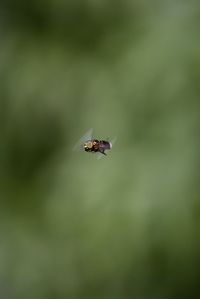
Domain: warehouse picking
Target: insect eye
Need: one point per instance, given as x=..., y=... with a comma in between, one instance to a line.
x=88, y=145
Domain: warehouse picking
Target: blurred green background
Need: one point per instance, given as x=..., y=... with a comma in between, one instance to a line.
x=125, y=226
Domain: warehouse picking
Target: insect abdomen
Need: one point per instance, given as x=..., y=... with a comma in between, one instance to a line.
x=104, y=145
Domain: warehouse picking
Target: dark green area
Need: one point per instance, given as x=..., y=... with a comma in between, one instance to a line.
x=125, y=226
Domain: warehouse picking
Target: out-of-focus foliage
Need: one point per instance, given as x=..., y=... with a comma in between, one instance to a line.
x=125, y=226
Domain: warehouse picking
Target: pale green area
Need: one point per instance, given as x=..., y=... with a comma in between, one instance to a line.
x=125, y=226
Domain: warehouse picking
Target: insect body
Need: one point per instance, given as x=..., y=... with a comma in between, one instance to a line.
x=97, y=146
x=89, y=144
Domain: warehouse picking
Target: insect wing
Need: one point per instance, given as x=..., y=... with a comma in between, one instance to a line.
x=112, y=142
x=79, y=146
x=100, y=156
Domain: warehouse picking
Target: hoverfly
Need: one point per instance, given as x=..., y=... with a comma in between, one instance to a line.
x=89, y=144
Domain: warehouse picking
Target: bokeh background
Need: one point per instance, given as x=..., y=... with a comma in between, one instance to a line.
x=125, y=226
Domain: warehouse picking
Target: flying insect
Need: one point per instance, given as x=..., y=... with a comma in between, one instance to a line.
x=92, y=145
